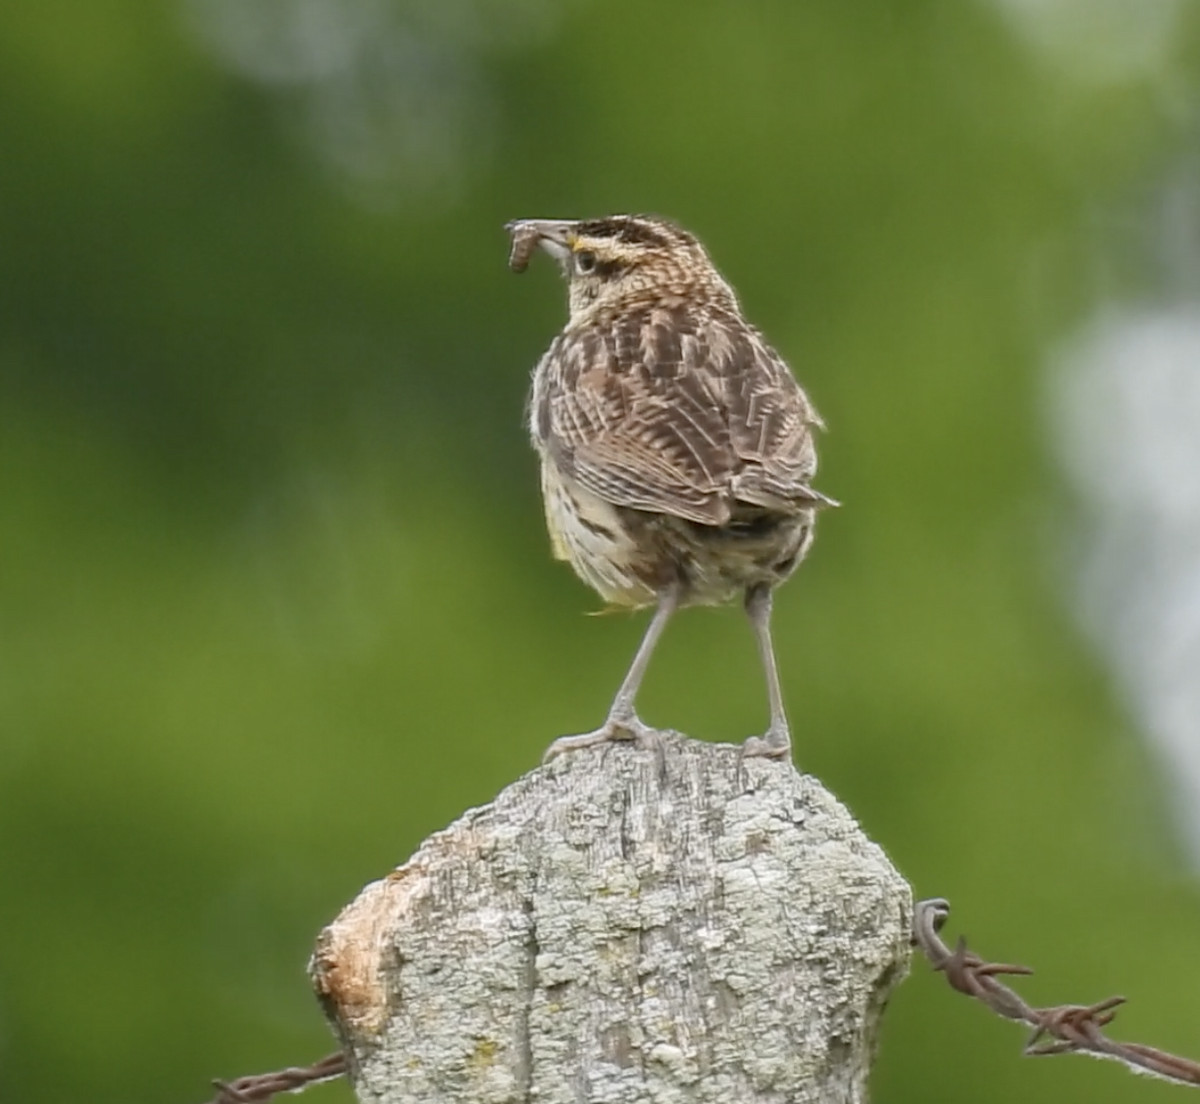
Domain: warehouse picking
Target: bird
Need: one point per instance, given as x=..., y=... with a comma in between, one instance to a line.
x=677, y=450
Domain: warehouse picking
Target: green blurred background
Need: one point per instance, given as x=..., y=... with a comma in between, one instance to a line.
x=275, y=597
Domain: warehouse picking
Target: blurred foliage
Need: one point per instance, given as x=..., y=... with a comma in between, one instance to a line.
x=275, y=599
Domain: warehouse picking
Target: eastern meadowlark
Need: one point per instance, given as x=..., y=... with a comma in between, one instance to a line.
x=677, y=450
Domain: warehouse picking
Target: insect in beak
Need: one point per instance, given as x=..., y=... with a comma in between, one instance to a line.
x=553, y=235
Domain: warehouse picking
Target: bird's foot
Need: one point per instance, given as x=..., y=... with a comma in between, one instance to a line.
x=775, y=743
x=625, y=726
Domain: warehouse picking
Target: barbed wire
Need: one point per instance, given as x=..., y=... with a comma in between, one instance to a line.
x=263, y=1086
x=1070, y=1028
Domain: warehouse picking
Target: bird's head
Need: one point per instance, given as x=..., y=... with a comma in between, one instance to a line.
x=621, y=261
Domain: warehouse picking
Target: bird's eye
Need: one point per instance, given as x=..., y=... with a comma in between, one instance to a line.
x=585, y=261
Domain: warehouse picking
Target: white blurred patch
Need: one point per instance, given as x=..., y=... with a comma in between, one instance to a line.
x=1127, y=412
x=392, y=92
x=1100, y=41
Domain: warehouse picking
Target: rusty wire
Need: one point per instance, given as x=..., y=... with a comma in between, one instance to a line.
x=1064, y=1029
x=263, y=1086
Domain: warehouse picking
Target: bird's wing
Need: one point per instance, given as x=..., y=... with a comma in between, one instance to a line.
x=772, y=426
x=665, y=412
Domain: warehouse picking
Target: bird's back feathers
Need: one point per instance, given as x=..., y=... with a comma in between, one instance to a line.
x=676, y=408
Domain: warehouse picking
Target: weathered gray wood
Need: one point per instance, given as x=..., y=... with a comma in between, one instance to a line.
x=625, y=926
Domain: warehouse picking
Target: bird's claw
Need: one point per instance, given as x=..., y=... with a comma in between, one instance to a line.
x=620, y=728
x=774, y=744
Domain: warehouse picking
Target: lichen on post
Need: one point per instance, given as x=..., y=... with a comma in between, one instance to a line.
x=669, y=924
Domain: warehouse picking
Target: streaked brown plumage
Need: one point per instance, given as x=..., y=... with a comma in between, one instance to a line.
x=677, y=449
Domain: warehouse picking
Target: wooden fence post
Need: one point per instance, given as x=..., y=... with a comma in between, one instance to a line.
x=675, y=925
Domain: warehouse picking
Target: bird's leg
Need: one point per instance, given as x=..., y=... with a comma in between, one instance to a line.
x=776, y=742
x=623, y=722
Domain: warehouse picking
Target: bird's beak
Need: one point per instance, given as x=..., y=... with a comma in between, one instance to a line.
x=553, y=235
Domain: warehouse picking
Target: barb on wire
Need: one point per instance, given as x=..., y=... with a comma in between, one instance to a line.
x=1065, y=1029
x=263, y=1086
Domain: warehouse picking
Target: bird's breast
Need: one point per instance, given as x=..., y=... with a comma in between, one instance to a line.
x=592, y=536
